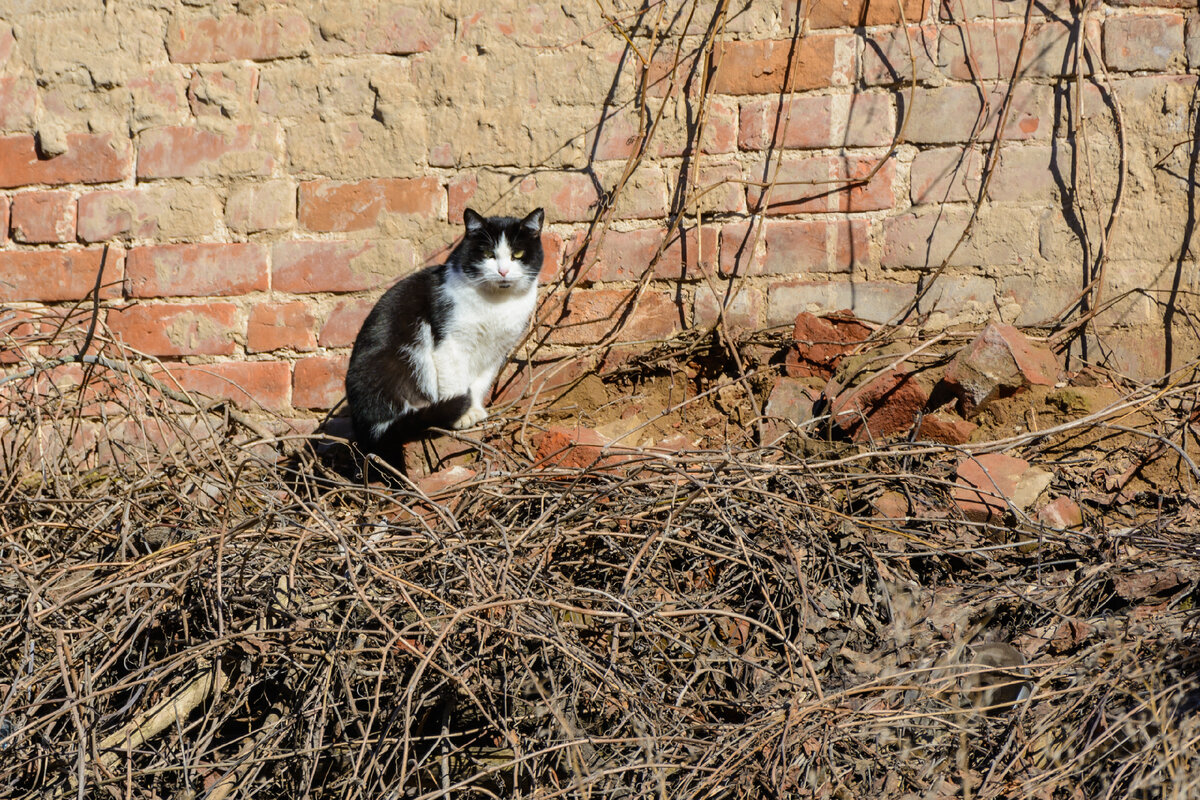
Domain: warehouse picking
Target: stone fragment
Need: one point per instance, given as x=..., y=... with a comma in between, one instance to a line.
x=986, y=485
x=437, y=483
x=945, y=428
x=1000, y=362
x=818, y=343
x=790, y=401
x=885, y=405
x=571, y=448
x=1060, y=513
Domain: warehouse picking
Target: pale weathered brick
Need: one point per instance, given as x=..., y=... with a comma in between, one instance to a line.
x=958, y=114
x=946, y=174
x=197, y=38
x=1143, y=41
x=743, y=306
x=256, y=207
x=896, y=55
x=188, y=152
x=192, y=270
x=148, y=212
x=828, y=184
x=872, y=301
x=861, y=120
x=304, y=266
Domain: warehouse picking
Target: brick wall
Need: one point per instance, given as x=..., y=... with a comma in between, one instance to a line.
x=262, y=170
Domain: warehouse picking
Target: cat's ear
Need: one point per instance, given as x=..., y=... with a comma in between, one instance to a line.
x=473, y=220
x=533, y=222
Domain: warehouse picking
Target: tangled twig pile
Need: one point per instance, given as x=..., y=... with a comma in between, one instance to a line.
x=183, y=613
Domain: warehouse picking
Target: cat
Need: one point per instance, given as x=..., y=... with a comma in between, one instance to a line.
x=428, y=352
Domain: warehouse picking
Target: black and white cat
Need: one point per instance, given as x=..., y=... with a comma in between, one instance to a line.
x=430, y=349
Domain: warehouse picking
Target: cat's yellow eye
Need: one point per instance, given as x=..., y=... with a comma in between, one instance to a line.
x=518, y=253
x=489, y=253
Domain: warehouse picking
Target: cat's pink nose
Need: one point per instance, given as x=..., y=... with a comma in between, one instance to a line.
x=503, y=271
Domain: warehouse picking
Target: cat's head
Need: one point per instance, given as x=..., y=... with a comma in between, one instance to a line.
x=501, y=253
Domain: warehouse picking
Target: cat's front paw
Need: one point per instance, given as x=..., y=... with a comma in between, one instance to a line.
x=474, y=416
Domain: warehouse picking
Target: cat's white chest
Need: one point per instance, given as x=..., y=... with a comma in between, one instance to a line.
x=480, y=332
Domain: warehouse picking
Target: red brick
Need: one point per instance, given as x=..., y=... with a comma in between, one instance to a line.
x=1143, y=41
x=172, y=329
x=438, y=483
x=202, y=39
x=344, y=322
x=43, y=217
x=319, y=382
x=336, y=206
x=863, y=120
x=304, y=266
x=625, y=255
x=553, y=247
x=53, y=275
x=192, y=270
x=749, y=67
x=249, y=384
x=281, y=326
x=18, y=101
x=182, y=151
x=90, y=158
x=946, y=174
x=7, y=42
x=810, y=246
x=896, y=55
x=952, y=114
x=855, y=13
x=820, y=184
x=148, y=212
x=255, y=207
x=589, y=315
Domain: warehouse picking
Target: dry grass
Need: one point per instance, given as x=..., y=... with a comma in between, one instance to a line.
x=186, y=613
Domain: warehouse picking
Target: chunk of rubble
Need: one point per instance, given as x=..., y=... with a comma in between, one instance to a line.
x=790, y=403
x=987, y=484
x=578, y=447
x=436, y=483
x=1000, y=362
x=886, y=404
x=819, y=343
x=1061, y=513
x=945, y=429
